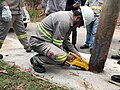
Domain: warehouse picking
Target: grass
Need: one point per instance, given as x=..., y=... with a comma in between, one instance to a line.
x=11, y=78
x=34, y=15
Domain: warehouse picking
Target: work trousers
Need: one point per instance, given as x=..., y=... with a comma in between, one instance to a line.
x=18, y=26
x=74, y=35
x=48, y=53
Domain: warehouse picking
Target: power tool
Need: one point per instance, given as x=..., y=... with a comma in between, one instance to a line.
x=78, y=62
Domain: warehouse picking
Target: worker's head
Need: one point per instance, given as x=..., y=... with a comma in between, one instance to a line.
x=83, y=16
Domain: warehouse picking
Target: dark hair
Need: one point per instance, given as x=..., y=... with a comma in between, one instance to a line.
x=79, y=13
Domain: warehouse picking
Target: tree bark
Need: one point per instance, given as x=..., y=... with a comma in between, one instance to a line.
x=106, y=27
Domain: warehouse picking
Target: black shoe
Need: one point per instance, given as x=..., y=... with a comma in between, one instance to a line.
x=116, y=78
x=84, y=46
x=1, y=56
x=28, y=49
x=118, y=62
x=37, y=67
x=115, y=57
x=119, y=41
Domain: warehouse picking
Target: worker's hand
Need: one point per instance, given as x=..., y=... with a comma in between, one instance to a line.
x=70, y=58
x=6, y=14
x=76, y=5
x=78, y=54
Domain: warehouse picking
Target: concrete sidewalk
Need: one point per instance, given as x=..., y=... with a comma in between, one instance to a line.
x=72, y=78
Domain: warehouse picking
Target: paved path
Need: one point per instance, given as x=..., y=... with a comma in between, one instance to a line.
x=73, y=78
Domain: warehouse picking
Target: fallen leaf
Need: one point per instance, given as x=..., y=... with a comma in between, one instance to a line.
x=20, y=87
x=28, y=69
x=74, y=74
x=2, y=70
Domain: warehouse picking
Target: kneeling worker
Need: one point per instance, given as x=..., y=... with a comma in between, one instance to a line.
x=52, y=41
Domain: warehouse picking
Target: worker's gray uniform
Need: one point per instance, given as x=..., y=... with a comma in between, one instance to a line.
x=55, y=6
x=17, y=22
x=52, y=34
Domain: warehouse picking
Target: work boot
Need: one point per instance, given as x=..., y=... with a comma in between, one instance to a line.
x=37, y=67
x=115, y=57
x=116, y=78
x=84, y=46
x=28, y=49
x=1, y=56
x=118, y=62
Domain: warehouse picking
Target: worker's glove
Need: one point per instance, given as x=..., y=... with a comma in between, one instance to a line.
x=6, y=14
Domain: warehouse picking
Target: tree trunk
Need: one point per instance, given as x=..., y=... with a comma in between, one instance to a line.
x=106, y=27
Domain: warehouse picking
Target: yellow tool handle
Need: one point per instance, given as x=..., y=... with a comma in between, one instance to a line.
x=73, y=54
x=80, y=62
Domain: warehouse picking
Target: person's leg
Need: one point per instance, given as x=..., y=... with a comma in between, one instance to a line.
x=20, y=32
x=48, y=53
x=93, y=33
x=116, y=56
x=116, y=78
x=74, y=37
x=55, y=54
x=37, y=63
x=88, y=28
x=4, y=28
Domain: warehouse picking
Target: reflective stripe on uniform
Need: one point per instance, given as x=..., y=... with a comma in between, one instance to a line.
x=1, y=41
x=62, y=58
x=22, y=36
x=96, y=7
x=41, y=28
x=57, y=42
x=48, y=35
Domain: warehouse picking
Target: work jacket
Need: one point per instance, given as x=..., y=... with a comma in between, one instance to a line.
x=15, y=6
x=96, y=5
x=55, y=6
x=56, y=29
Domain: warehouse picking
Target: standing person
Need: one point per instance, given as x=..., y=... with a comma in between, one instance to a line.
x=92, y=27
x=52, y=37
x=53, y=6
x=116, y=78
x=116, y=56
x=11, y=14
x=73, y=5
